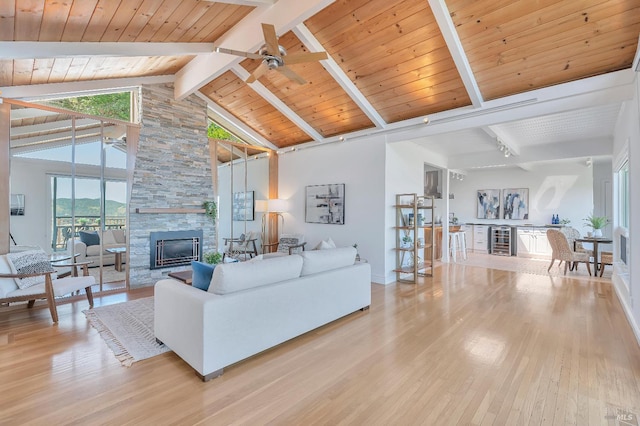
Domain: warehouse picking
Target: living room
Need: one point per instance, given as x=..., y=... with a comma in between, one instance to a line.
x=374, y=166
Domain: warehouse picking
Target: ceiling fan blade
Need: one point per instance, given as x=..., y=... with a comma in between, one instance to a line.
x=298, y=58
x=271, y=39
x=259, y=72
x=238, y=53
x=291, y=75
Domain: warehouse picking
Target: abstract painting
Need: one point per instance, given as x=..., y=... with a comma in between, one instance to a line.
x=488, y=202
x=515, y=202
x=243, y=207
x=325, y=204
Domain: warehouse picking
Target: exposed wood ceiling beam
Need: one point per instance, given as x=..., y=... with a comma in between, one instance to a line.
x=231, y=123
x=54, y=49
x=278, y=104
x=245, y=36
x=80, y=88
x=332, y=67
x=256, y=3
x=599, y=90
x=448, y=30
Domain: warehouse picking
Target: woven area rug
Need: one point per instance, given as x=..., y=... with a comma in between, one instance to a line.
x=127, y=328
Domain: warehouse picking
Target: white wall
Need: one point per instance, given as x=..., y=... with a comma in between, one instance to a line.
x=360, y=166
x=257, y=181
x=626, y=279
x=564, y=189
x=31, y=178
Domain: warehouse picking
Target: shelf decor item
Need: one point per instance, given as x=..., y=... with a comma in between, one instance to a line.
x=325, y=204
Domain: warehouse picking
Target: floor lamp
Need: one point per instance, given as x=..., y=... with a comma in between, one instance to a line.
x=262, y=206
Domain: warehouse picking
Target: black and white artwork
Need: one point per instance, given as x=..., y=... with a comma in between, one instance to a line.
x=325, y=204
x=243, y=206
x=17, y=205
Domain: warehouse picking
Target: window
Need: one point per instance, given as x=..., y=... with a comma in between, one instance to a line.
x=623, y=195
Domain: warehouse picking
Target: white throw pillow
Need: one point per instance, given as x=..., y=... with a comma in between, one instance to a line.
x=232, y=277
x=29, y=262
x=325, y=260
x=325, y=244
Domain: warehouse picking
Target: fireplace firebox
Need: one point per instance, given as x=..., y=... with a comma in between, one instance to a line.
x=174, y=248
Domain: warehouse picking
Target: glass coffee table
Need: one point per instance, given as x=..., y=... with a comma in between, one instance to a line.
x=118, y=251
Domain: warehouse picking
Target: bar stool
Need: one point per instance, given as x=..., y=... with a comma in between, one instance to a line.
x=458, y=243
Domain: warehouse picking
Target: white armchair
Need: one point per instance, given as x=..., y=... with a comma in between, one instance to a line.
x=40, y=282
x=287, y=244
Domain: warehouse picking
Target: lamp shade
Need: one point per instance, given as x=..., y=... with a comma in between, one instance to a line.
x=262, y=206
x=278, y=205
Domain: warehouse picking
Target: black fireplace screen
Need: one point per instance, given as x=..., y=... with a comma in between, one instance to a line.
x=174, y=248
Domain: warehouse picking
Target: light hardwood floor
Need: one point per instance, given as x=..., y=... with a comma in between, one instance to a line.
x=470, y=346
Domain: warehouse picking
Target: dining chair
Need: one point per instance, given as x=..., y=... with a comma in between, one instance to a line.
x=562, y=251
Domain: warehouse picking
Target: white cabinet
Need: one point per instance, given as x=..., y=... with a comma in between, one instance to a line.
x=480, y=238
x=533, y=242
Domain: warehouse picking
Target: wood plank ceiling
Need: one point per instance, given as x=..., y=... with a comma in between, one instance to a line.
x=393, y=60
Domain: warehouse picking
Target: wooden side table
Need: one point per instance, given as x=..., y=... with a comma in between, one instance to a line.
x=184, y=276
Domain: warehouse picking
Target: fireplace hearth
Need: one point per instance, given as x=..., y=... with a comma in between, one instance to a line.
x=174, y=248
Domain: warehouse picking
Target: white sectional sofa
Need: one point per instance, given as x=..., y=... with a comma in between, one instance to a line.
x=112, y=238
x=255, y=305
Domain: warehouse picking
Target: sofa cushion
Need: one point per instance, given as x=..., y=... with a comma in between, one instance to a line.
x=89, y=238
x=29, y=262
x=232, y=277
x=108, y=238
x=93, y=250
x=118, y=236
x=324, y=260
x=202, y=273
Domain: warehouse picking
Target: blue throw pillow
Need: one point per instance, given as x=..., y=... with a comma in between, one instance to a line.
x=202, y=273
x=90, y=238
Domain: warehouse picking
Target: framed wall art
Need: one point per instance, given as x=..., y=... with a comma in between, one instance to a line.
x=325, y=204
x=17, y=205
x=515, y=203
x=488, y=204
x=243, y=206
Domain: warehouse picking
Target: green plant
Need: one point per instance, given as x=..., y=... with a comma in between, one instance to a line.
x=212, y=257
x=596, y=222
x=407, y=239
x=210, y=209
x=565, y=221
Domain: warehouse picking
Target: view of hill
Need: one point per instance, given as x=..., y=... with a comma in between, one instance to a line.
x=89, y=207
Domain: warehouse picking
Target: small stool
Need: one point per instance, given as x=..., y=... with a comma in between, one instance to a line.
x=606, y=258
x=458, y=242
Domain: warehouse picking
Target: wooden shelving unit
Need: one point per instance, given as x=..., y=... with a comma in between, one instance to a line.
x=415, y=222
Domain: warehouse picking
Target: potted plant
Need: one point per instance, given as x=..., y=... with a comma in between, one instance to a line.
x=212, y=257
x=210, y=209
x=406, y=241
x=596, y=223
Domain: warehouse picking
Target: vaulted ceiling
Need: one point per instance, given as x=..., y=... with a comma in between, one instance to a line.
x=521, y=71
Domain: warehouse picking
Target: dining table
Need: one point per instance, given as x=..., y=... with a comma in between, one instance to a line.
x=595, y=241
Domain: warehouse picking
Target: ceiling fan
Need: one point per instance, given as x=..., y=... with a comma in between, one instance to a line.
x=274, y=57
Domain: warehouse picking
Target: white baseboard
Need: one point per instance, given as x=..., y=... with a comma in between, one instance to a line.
x=621, y=294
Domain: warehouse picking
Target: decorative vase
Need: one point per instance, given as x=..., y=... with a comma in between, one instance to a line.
x=597, y=233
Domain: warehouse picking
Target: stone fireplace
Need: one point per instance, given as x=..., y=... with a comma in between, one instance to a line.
x=171, y=179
